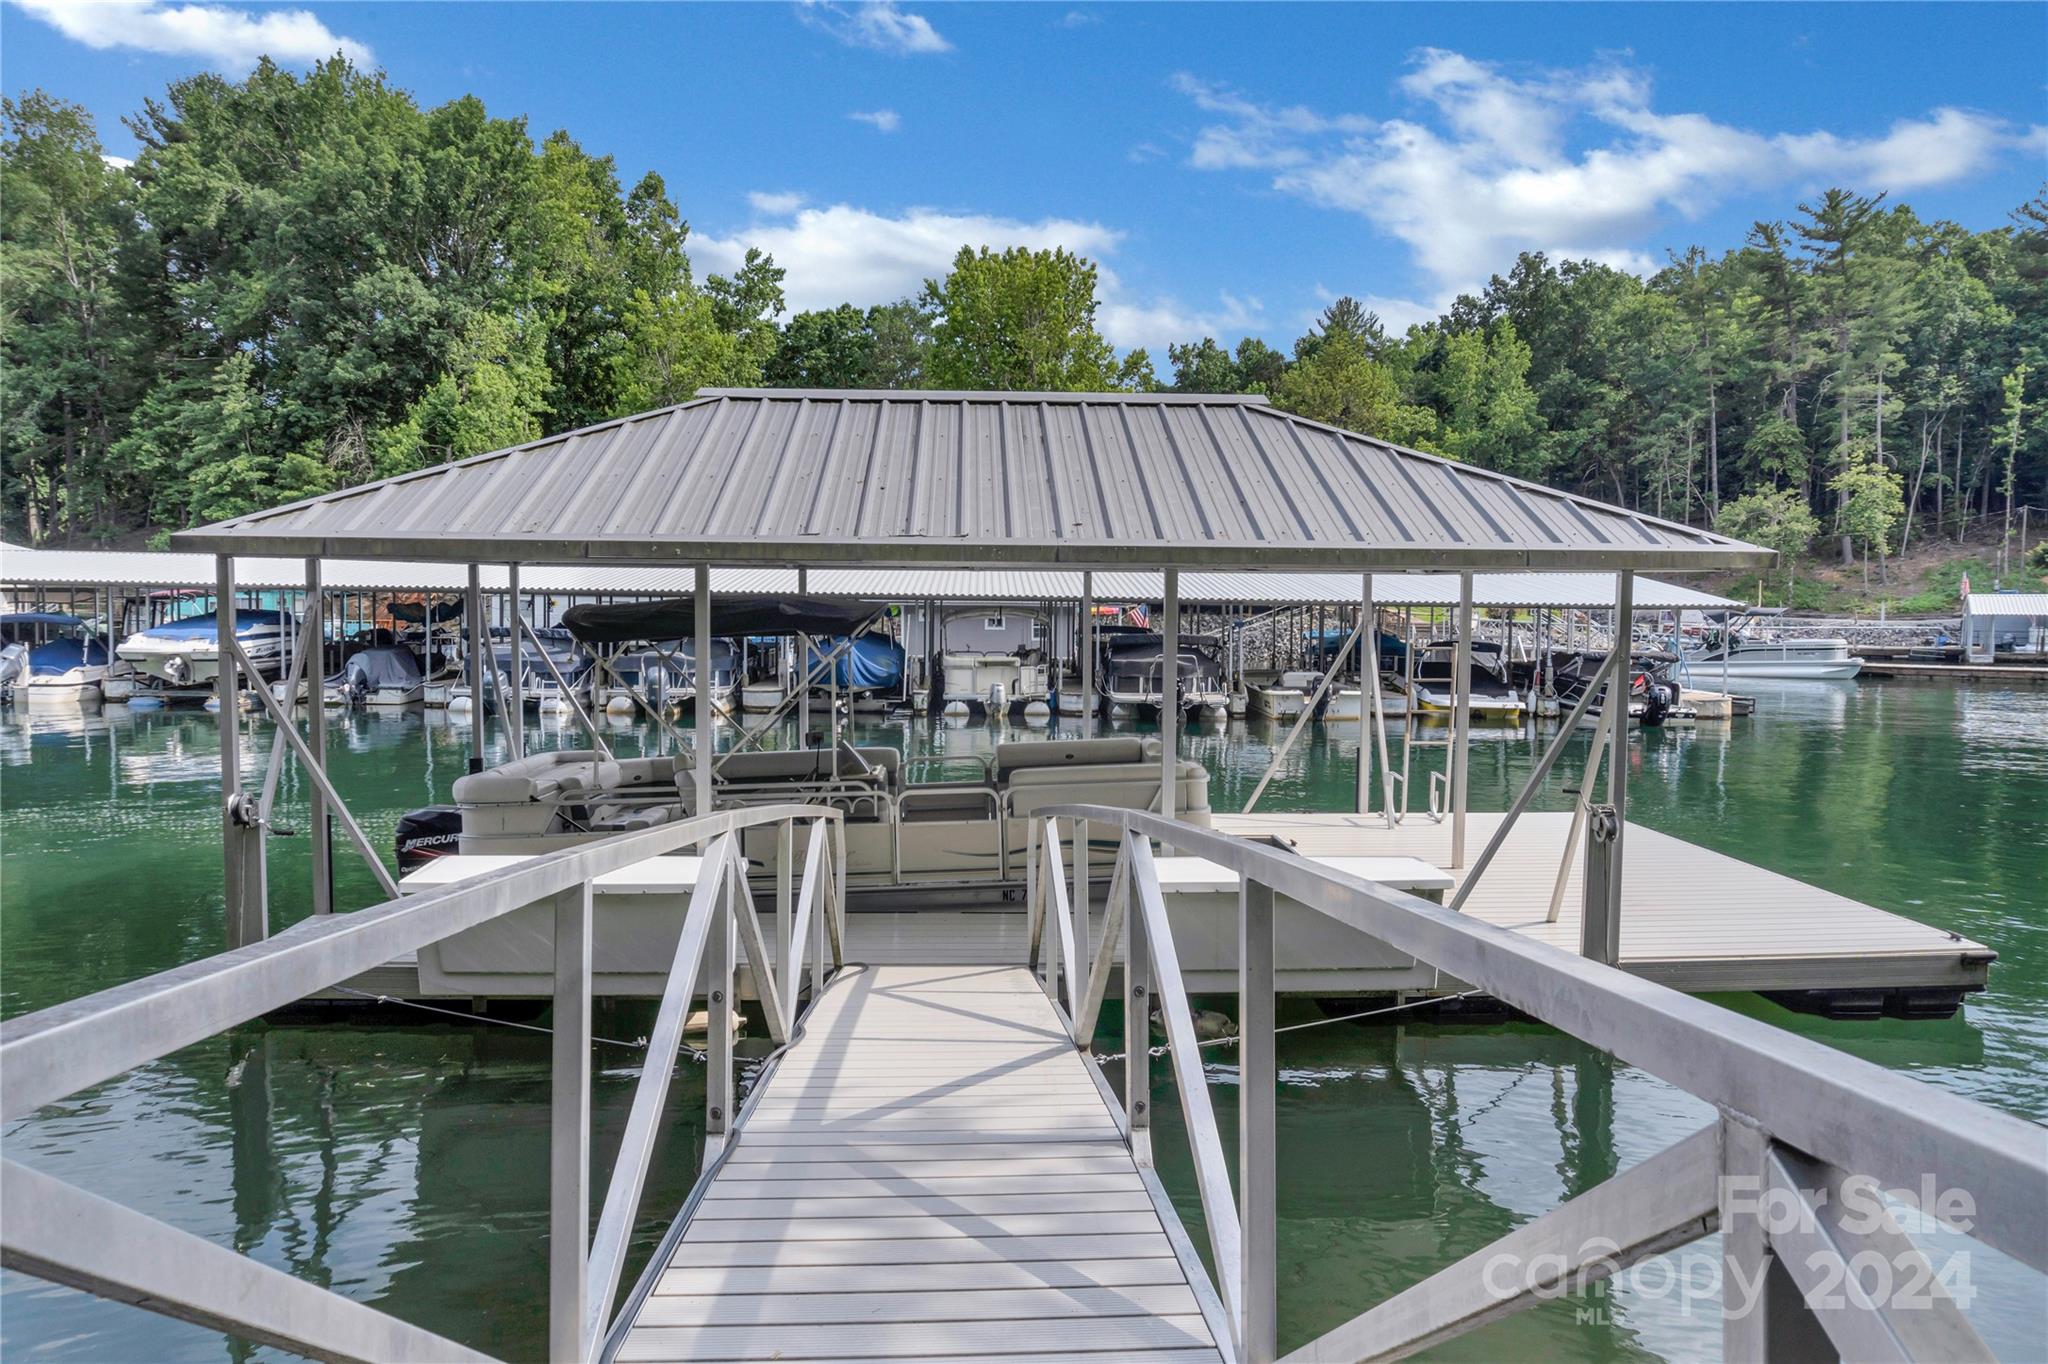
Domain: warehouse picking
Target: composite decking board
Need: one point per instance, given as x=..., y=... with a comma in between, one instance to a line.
x=912, y=1250
x=942, y=1186
x=718, y=1308
x=1016, y=1167
x=926, y=1177
x=1168, y=1355
x=779, y=1152
x=919, y=1277
x=1106, y=1337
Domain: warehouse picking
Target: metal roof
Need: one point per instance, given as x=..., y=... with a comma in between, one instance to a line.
x=858, y=478
x=115, y=568
x=2006, y=604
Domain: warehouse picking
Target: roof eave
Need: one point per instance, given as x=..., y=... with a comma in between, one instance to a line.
x=964, y=554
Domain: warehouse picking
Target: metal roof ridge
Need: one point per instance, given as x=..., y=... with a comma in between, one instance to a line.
x=991, y=395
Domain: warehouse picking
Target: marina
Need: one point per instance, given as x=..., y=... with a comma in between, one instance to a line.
x=858, y=900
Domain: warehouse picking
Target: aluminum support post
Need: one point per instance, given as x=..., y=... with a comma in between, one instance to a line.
x=701, y=646
x=569, y=1130
x=1461, y=720
x=1087, y=650
x=320, y=825
x=1169, y=699
x=1257, y=1167
x=515, y=703
x=479, y=641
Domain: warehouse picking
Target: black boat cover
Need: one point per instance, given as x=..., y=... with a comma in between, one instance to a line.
x=738, y=614
x=414, y=612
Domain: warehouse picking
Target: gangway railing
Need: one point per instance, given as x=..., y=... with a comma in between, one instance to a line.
x=1804, y=1138
x=57, y=1231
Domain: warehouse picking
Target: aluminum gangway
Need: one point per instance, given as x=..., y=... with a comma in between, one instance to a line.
x=971, y=1185
x=932, y=1170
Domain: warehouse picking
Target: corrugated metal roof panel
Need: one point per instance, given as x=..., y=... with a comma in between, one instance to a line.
x=2006, y=604
x=911, y=479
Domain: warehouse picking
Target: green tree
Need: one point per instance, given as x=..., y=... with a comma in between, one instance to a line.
x=828, y=348
x=63, y=391
x=1871, y=503
x=1022, y=320
x=1338, y=384
x=1203, y=367
x=1778, y=520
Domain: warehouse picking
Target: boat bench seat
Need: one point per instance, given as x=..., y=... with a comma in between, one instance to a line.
x=563, y=773
x=805, y=765
x=620, y=819
x=1133, y=785
x=1036, y=754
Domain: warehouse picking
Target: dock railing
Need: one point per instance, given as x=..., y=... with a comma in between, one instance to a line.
x=56, y=1231
x=1804, y=1140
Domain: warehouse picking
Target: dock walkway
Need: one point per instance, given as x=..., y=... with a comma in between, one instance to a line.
x=932, y=1171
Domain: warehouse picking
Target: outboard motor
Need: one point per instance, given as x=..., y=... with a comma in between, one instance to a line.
x=426, y=834
x=1656, y=701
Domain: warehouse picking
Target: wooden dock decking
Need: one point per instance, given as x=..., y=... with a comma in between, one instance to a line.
x=931, y=1172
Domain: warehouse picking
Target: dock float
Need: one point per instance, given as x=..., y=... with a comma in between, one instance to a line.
x=932, y=1169
x=2012, y=674
x=1691, y=918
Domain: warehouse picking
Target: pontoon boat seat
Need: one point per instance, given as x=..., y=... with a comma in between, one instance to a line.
x=1120, y=772
x=523, y=796
x=1011, y=757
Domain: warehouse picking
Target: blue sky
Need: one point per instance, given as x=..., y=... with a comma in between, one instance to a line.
x=1232, y=168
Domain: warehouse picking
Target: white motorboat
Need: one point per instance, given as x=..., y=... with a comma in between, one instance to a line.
x=61, y=660
x=186, y=653
x=1734, y=647
x=1433, y=691
x=1284, y=699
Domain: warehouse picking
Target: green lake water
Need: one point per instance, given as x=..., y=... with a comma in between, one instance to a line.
x=401, y=1159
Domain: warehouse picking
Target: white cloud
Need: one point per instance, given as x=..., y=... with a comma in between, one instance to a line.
x=230, y=40
x=1156, y=323
x=878, y=24
x=1575, y=162
x=775, y=205
x=882, y=120
x=1079, y=18
x=843, y=254
x=846, y=254
x=117, y=162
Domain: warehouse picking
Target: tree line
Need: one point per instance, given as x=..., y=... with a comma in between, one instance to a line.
x=303, y=282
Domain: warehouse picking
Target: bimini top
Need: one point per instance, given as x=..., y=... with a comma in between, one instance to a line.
x=840, y=478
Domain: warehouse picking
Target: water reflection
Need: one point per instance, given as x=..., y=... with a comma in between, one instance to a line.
x=404, y=1163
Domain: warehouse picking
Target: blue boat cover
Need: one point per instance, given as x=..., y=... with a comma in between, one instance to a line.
x=207, y=626
x=60, y=656
x=40, y=618
x=872, y=664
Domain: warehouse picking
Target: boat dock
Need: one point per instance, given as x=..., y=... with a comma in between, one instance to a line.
x=1691, y=918
x=932, y=1169
x=2012, y=674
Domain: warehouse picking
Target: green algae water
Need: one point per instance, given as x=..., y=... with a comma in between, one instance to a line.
x=400, y=1158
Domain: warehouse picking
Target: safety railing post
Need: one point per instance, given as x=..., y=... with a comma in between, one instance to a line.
x=786, y=960
x=569, y=1131
x=1137, y=1026
x=1257, y=1167
x=718, y=977
x=1599, y=928
x=1080, y=904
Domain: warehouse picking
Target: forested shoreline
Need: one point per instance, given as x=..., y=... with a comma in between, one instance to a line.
x=307, y=281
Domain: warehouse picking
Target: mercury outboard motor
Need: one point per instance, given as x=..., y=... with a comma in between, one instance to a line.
x=426, y=834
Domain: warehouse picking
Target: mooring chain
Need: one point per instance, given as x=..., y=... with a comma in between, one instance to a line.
x=1166, y=1047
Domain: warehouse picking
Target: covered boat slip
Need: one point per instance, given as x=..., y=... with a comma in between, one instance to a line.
x=931, y=1171
x=927, y=1166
